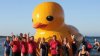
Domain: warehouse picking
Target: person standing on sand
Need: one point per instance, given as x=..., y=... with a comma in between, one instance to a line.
x=31, y=46
x=43, y=47
x=65, y=47
x=24, y=47
x=15, y=45
x=13, y=37
x=74, y=46
x=6, y=46
x=54, y=46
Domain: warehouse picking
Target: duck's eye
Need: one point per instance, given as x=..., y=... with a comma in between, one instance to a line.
x=32, y=19
x=49, y=18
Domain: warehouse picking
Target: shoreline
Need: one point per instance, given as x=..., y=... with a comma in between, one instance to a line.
x=84, y=36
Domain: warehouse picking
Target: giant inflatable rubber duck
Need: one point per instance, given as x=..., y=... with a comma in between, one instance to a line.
x=48, y=20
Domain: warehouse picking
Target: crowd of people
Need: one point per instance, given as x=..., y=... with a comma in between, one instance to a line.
x=24, y=45
x=87, y=47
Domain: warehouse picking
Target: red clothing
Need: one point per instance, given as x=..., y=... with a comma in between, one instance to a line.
x=32, y=47
x=53, y=46
x=15, y=46
x=24, y=47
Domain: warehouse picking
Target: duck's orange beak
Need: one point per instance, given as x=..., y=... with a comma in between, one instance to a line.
x=39, y=25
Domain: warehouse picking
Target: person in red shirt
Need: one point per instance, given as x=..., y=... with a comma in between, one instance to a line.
x=15, y=45
x=24, y=47
x=54, y=47
x=31, y=46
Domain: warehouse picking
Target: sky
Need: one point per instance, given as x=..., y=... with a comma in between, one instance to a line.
x=16, y=15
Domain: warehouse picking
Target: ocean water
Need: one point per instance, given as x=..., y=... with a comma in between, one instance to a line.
x=90, y=39
x=93, y=52
x=1, y=47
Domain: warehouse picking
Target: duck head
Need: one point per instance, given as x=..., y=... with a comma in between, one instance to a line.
x=48, y=15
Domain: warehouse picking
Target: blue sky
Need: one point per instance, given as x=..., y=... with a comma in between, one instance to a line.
x=16, y=15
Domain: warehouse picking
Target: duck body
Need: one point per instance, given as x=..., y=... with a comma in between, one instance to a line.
x=48, y=20
x=63, y=32
x=59, y=32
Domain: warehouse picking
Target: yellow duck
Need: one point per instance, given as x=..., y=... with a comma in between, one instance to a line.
x=48, y=20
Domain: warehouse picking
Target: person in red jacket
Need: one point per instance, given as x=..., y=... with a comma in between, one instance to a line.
x=31, y=46
x=24, y=47
x=15, y=45
x=54, y=47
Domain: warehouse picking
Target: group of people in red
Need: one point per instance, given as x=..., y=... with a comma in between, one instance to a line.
x=26, y=46
x=23, y=46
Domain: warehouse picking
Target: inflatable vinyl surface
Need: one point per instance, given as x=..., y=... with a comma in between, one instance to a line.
x=48, y=20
